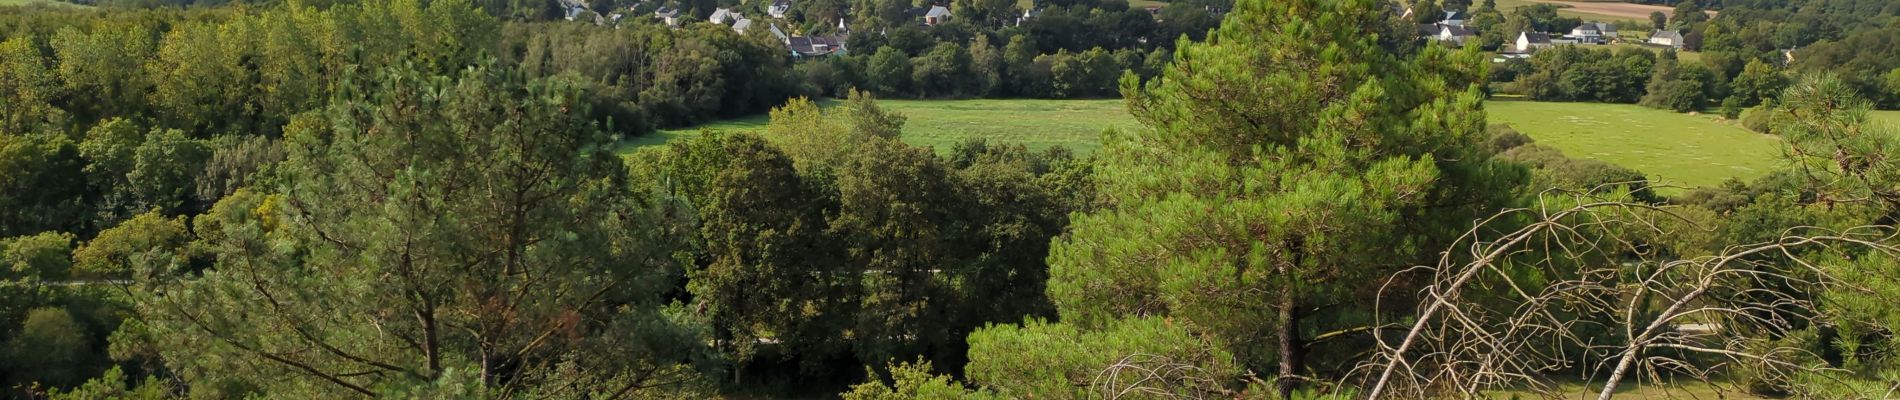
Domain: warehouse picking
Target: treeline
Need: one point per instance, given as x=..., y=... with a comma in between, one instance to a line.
x=172, y=109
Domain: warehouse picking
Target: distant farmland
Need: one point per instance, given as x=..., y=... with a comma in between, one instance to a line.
x=1037, y=124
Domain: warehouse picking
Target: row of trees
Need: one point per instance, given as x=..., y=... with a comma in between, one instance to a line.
x=1302, y=190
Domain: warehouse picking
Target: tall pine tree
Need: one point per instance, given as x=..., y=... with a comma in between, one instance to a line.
x=1288, y=160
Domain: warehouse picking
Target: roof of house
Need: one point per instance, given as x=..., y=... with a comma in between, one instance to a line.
x=1453, y=15
x=1460, y=31
x=1428, y=29
x=664, y=12
x=781, y=3
x=1606, y=27
x=742, y=25
x=721, y=15
x=1671, y=35
x=1536, y=37
x=810, y=45
x=937, y=12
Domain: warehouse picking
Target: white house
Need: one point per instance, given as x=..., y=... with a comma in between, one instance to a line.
x=1451, y=35
x=724, y=15
x=1666, y=38
x=936, y=15
x=1532, y=41
x=778, y=8
x=668, y=15
x=1593, y=32
x=741, y=25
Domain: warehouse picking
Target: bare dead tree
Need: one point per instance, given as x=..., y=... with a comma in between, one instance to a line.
x=1154, y=376
x=1580, y=280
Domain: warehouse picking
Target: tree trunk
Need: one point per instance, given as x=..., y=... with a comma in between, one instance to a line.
x=1289, y=345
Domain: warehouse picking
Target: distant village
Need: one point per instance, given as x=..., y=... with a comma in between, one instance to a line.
x=1452, y=32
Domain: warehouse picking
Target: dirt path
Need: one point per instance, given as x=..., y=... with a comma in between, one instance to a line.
x=1621, y=10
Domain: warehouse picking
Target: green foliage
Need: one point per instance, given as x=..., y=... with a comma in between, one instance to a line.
x=41, y=184
x=1572, y=73
x=772, y=275
x=505, y=247
x=51, y=349
x=889, y=70
x=914, y=381
x=146, y=245
x=165, y=171
x=1759, y=82
x=1681, y=87
x=42, y=257
x=1845, y=157
x=1551, y=169
x=1285, y=153
x=1043, y=359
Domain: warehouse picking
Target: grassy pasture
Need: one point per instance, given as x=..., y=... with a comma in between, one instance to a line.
x=1038, y=124
x=1676, y=149
x=1889, y=117
x=7, y=3
x=1673, y=149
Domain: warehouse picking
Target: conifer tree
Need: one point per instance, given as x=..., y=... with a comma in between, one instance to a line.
x=1288, y=160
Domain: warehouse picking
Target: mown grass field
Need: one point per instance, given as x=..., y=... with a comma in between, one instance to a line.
x=5, y=3
x=1890, y=117
x=1037, y=124
x=1673, y=149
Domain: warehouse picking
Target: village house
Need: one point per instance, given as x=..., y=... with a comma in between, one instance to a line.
x=1453, y=18
x=1528, y=42
x=723, y=16
x=1666, y=38
x=1593, y=32
x=1451, y=35
x=669, y=16
x=933, y=15
x=815, y=46
x=779, y=8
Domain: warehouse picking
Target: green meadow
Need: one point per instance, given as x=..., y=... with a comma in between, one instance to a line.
x=1037, y=124
x=1673, y=149
x=4, y=3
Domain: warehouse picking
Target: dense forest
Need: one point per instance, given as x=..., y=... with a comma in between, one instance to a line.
x=429, y=199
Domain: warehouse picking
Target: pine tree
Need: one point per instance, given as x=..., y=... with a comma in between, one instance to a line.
x=1287, y=160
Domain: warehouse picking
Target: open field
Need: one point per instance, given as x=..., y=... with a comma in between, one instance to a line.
x=1673, y=149
x=1631, y=390
x=1595, y=10
x=1038, y=124
x=5, y=3
x=1889, y=117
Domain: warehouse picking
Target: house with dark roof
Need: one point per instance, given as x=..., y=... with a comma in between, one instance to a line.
x=1450, y=35
x=724, y=16
x=1532, y=41
x=815, y=46
x=1593, y=32
x=670, y=16
x=1666, y=38
x=1453, y=18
